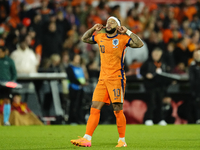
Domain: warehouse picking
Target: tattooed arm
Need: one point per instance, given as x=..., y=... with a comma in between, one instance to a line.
x=135, y=42
x=87, y=36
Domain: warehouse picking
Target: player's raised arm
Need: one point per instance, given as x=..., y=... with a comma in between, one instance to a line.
x=87, y=37
x=136, y=42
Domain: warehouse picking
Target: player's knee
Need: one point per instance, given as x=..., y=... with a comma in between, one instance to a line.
x=94, y=105
x=117, y=107
x=97, y=105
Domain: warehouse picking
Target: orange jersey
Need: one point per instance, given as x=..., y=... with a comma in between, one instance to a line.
x=112, y=51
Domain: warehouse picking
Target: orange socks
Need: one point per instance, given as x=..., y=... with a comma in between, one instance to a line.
x=121, y=123
x=93, y=121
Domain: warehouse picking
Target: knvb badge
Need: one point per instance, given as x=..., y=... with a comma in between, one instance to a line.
x=115, y=43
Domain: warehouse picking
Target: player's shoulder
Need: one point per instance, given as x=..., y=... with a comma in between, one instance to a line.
x=123, y=36
x=100, y=34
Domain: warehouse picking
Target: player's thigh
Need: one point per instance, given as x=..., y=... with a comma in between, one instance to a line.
x=116, y=90
x=101, y=93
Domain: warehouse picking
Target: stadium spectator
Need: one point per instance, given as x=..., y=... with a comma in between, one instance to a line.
x=185, y=26
x=134, y=69
x=195, y=23
x=65, y=85
x=37, y=25
x=179, y=68
x=80, y=14
x=154, y=40
x=93, y=18
x=168, y=110
x=7, y=73
x=14, y=19
x=45, y=11
x=172, y=32
x=168, y=56
x=58, y=6
x=193, y=45
x=194, y=75
x=21, y=114
x=103, y=10
x=181, y=52
x=190, y=108
x=12, y=40
x=189, y=10
x=77, y=80
x=4, y=11
x=34, y=43
x=51, y=43
x=133, y=21
x=64, y=60
x=70, y=16
x=63, y=26
x=22, y=30
x=55, y=63
x=155, y=87
x=24, y=57
x=5, y=108
x=149, y=28
x=93, y=66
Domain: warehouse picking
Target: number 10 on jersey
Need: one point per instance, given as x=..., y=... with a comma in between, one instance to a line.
x=116, y=92
x=102, y=47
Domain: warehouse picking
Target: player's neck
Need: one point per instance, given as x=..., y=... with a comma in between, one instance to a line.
x=111, y=35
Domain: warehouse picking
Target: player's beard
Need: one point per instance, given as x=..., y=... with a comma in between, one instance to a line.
x=111, y=31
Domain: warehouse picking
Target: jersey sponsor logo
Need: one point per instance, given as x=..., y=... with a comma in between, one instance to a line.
x=115, y=43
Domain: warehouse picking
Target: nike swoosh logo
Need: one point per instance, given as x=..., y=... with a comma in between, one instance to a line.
x=101, y=41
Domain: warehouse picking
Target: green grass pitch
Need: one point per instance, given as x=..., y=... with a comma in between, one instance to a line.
x=138, y=137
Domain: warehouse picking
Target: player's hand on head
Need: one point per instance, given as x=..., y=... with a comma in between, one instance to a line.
x=122, y=29
x=98, y=27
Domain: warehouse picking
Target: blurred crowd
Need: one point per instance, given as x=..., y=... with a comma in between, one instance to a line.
x=45, y=35
x=50, y=32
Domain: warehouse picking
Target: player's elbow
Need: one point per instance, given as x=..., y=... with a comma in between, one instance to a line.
x=82, y=39
x=140, y=45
